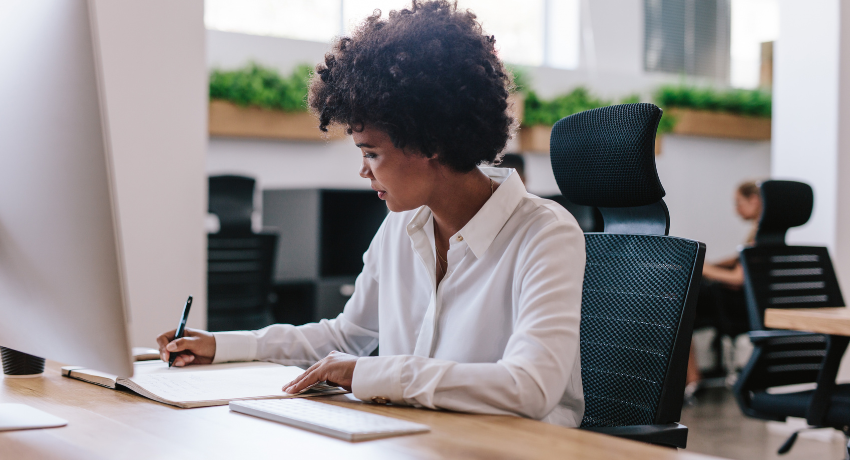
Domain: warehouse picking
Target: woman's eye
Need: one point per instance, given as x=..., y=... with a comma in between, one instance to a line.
x=369, y=155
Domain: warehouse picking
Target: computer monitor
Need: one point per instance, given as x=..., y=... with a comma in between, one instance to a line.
x=61, y=273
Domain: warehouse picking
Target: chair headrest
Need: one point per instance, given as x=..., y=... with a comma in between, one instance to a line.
x=606, y=157
x=231, y=198
x=785, y=204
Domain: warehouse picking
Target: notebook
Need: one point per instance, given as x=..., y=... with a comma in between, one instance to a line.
x=206, y=385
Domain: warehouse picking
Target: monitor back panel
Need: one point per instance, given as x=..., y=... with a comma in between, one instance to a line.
x=60, y=271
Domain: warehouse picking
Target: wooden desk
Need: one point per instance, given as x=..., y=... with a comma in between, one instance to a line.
x=832, y=321
x=109, y=424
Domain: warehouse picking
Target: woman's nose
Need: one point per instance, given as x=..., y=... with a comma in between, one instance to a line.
x=365, y=172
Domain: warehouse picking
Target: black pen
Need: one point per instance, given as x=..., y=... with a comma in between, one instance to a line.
x=181, y=328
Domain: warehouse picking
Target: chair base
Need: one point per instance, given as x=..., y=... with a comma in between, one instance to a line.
x=670, y=434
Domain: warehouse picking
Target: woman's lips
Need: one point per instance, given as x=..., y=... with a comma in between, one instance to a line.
x=381, y=194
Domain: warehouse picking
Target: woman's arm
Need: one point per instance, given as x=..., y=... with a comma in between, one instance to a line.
x=355, y=331
x=729, y=262
x=732, y=277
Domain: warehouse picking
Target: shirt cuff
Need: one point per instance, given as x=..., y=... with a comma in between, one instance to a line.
x=378, y=376
x=235, y=346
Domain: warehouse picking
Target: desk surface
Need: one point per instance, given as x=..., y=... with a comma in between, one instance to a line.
x=109, y=424
x=835, y=321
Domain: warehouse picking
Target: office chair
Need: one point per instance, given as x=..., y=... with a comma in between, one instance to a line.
x=780, y=276
x=240, y=263
x=231, y=198
x=640, y=285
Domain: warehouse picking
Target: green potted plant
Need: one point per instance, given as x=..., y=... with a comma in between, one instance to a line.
x=257, y=101
x=708, y=112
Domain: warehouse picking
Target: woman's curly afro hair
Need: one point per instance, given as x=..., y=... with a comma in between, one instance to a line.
x=427, y=76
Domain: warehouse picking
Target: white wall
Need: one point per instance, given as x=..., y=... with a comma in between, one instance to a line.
x=156, y=91
x=805, y=104
x=811, y=122
x=700, y=176
x=811, y=100
x=276, y=164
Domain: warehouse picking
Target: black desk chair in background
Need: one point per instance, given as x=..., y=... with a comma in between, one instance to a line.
x=231, y=199
x=240, y=263
x=640, y=285
x=780, y=276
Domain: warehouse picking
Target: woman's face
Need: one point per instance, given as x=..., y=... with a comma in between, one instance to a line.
x=748, y=208
x=404, y=180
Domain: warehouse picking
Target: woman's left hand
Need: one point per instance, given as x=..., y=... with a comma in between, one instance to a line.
x=336, y=369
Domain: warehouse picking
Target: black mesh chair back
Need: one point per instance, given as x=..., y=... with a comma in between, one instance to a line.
x=787, y=360
x=788, y=277
x=239, y=276
x=640, y=285
x=780, y=276
x=785, y=204
x=635, y=297
x=231, y=199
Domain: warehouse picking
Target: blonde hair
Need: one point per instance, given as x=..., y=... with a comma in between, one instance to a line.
x=748, y=190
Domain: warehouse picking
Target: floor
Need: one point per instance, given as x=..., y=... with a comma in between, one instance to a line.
x=717, y=427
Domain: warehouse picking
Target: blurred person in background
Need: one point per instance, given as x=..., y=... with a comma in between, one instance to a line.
x=721, y=303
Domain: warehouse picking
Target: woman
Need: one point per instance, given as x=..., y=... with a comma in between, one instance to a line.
x=748, y=206
x=721, y=302
x=471, y=286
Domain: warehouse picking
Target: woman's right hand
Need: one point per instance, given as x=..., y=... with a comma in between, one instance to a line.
x=196, y=347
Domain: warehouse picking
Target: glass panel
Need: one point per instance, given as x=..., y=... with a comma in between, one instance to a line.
x=317, y=20
x=518, y=27
x=753, y=22
x=355, y=11
x=564, y=27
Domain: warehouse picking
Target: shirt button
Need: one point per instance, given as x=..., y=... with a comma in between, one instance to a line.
x=460, y=237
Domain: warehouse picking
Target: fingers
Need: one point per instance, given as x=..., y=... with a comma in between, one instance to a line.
x=303, y=382
x=291, y=386
x=183, y=360
x=162, y=341
x=336, y=367
x=181, y=344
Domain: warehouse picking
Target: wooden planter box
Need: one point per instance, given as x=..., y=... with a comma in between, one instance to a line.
x=718, y=124
x=701, y=123
x=227, y=119
x=534, y=139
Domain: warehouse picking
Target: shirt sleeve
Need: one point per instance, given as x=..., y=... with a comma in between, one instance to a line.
x=541, y=358
x=354, y=331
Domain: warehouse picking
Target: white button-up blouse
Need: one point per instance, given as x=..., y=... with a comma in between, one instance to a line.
x=500, y=335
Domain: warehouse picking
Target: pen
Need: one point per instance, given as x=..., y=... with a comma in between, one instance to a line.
x=181, y=328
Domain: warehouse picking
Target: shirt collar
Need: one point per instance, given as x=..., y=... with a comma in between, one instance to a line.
x=486, y=224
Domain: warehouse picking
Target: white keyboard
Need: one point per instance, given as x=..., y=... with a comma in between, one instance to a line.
x=339, y=422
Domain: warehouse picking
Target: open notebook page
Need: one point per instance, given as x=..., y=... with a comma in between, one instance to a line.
x=208, y=385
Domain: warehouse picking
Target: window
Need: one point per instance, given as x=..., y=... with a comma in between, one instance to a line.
x=533, y=32
x=753, y=22
x=688, y=37
x=316, y=20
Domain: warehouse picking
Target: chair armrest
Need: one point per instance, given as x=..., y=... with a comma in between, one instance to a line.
x=670, y=434
x=763, y=336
